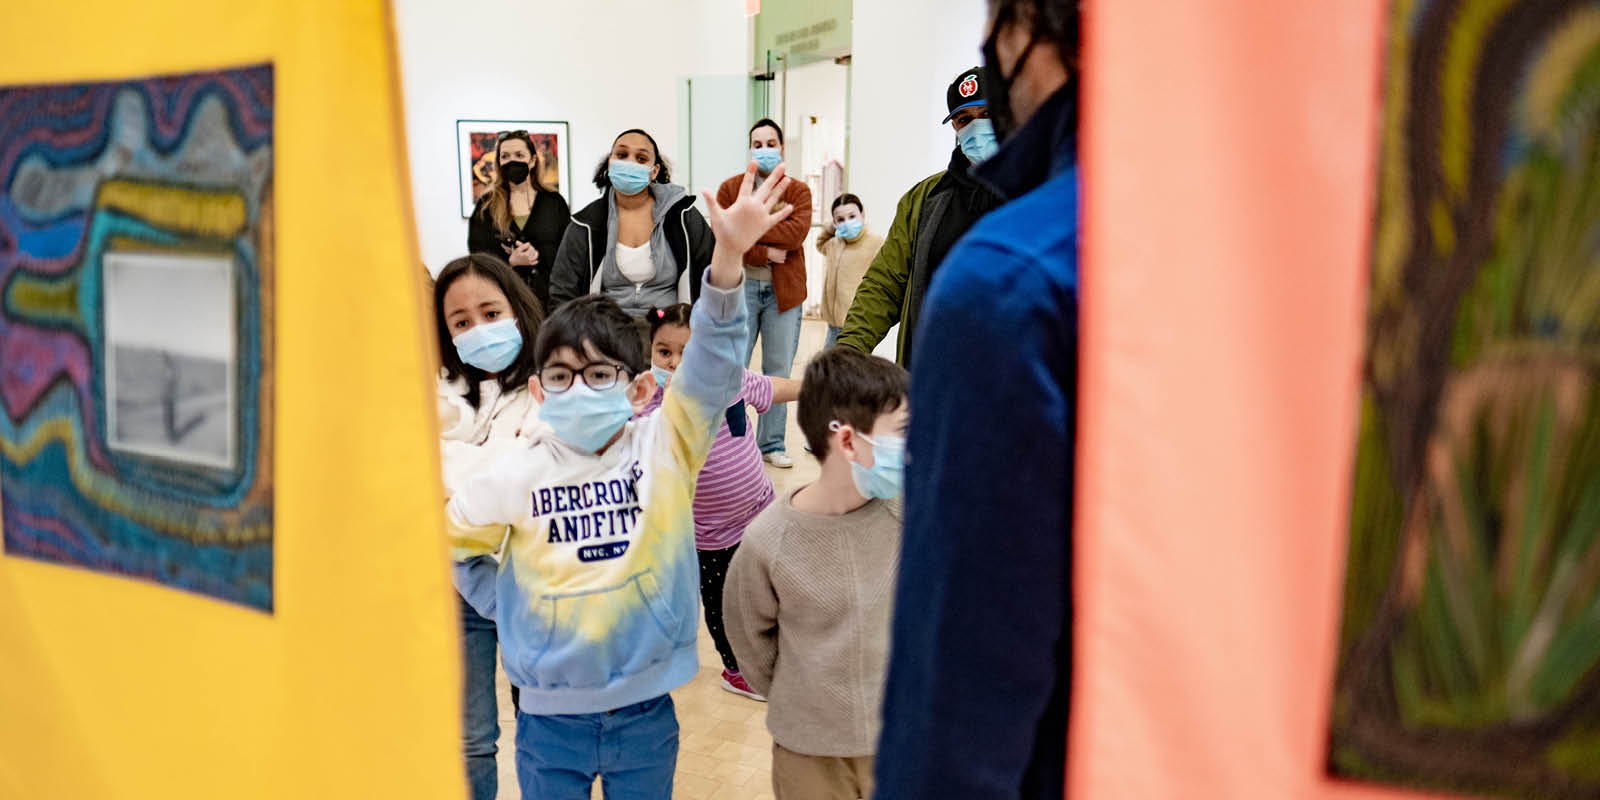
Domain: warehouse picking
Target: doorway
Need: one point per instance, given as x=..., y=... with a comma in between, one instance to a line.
x=812, y=104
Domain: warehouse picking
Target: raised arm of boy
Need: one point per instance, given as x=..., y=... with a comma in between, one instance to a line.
x=712, y=371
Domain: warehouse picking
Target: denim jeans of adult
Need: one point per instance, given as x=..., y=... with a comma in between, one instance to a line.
x=780, y=338
x=833, y=337
x=480, y=723
x=633, y=750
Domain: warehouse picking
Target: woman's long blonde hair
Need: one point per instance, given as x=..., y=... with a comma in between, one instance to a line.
x=498, y=207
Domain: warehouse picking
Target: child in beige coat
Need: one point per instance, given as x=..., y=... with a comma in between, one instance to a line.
x=847, y=250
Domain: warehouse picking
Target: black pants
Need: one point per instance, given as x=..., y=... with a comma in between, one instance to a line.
x=713, y=572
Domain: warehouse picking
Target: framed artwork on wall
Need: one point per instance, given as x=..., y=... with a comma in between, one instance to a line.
x=475, y=140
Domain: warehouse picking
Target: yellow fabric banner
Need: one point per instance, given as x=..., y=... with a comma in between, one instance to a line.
x=223, y=571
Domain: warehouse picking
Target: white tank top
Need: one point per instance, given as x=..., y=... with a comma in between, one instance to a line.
x=634, y=262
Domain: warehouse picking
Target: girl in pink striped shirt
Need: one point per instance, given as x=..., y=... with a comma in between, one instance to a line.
x=733, y=486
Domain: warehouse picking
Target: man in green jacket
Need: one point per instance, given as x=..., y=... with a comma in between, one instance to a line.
x=928, y=220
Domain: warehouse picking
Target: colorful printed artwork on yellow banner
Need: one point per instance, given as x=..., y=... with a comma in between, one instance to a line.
x=136, y=261
x=223, y=570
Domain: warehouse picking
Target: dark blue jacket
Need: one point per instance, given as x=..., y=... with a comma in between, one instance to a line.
x=980, y=664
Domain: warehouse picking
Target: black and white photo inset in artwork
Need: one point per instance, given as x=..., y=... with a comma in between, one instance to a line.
x=170, y=357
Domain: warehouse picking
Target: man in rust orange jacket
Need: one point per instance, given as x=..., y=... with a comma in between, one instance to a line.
x=774, y=283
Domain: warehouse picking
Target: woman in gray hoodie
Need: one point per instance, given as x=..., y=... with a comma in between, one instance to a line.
x=642, y=243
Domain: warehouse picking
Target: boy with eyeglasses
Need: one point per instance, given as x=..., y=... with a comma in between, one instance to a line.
x=596, y=595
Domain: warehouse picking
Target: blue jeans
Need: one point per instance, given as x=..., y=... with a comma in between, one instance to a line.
x=633, y=749
x=833, y=336
x=480, y=722
x=780, y=338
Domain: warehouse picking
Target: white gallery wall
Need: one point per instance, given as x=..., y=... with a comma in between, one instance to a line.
x=904, y=54
x=543, y=60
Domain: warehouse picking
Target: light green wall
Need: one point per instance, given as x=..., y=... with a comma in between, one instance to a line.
x=803, y=30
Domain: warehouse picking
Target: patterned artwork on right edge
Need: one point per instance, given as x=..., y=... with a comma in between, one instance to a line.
x=1469, y=654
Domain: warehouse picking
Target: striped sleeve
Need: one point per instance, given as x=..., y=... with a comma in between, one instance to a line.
x=757, y=391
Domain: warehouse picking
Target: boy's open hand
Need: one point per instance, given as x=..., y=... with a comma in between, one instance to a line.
x=739, y=226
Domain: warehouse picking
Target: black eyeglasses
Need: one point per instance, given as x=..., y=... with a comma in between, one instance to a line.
x=598, y=376
x=504, y=135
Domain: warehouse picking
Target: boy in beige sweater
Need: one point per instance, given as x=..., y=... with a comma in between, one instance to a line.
x=809, y=594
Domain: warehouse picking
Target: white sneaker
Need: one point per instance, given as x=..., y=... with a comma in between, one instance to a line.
x=778, y=459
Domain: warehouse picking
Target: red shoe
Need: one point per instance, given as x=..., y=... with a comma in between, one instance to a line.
x=732, y=681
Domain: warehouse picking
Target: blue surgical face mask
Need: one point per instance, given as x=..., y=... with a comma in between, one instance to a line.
x=767, y=158
x=885, y=479
x=628, y=177
x=586, y=418
x=977, y=140
x=662, y=374
x=849, y=230
x=490, y=347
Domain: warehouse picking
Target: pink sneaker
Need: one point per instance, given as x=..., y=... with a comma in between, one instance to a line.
x=732, y=681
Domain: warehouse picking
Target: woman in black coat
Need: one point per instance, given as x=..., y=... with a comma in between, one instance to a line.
x=519, y=219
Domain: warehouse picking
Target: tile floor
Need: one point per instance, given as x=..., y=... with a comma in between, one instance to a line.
x=724, y=751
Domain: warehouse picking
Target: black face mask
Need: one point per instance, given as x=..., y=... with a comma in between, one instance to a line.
x=514, y=171
x=999, y=92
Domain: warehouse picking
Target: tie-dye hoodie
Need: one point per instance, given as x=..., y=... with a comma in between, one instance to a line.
x=596, y=595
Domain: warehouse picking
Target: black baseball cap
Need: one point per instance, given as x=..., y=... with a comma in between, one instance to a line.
x=965, y=91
